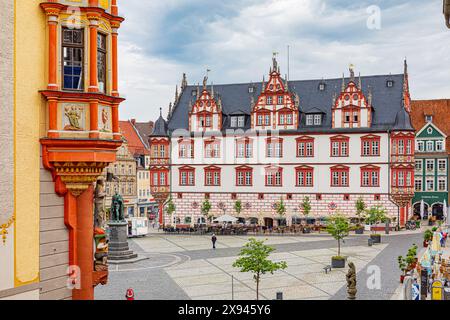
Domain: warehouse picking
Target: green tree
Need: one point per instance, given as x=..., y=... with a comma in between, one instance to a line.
x=170, y=206
x=206, y=207
x=375, y=215
x=306, y=206
x=238, y=207
x=254, y=258
x=360, y=207
x=338, y=227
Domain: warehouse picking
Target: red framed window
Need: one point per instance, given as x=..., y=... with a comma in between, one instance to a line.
x=402, y=177
x=204, y=120
x=263, y=118
x=285, y=118
x=244, y=148
x=186, y=176
x=403, y=145
x=274, y=147
x=370, y=146
x=159, y=177
x=274, y=177
x=304, y=176
x=212, y=148
x=186, y=148
x=370, y=176
x=339, y=146
x=351, y=115
x=340, y=176
x=244, y=176
x=159, y=148
x=305, y=147
x=212, y=176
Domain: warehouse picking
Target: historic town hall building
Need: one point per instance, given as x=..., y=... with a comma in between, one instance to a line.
x=333, y=141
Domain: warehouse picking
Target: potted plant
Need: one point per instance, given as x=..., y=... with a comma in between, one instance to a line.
x=360, y=207
x=409, y=263
x=338, y=228
x=238, y=207
x=427, y=237
x=306, y=208
x=375, y=215
x=411, y=258
x=403, y=267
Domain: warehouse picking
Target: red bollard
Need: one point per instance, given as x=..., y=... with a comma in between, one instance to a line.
x=130, y=294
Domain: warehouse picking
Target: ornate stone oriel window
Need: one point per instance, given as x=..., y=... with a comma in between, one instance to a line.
x=73, y=58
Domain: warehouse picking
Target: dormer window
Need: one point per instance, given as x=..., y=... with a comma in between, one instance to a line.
x=251, y=89
x=237, y=121
x=269, y=100
x=322, y=86
x=313, y=119
x=429, y=118
x=194, y=93
x=317, y=119
x=389, y=83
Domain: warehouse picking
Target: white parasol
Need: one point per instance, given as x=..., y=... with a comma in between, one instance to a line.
x=225, y=218
x=422, y=209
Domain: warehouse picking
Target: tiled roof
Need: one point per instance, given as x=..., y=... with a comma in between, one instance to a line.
x=144, y=130
x=439, y=109
x=386, y=101
x=135, y=145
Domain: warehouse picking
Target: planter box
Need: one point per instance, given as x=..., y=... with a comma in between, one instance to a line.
x=359, y=231
x=337, y=263
x=376, y=238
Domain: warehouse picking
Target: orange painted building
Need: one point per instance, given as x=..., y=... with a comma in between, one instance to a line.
x=82, y=133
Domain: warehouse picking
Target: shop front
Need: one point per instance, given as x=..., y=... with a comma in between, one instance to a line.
x=430, y=204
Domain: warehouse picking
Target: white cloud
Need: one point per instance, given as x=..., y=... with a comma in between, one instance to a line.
x=159, y=43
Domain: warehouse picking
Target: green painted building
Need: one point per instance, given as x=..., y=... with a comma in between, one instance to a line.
x=431, y=171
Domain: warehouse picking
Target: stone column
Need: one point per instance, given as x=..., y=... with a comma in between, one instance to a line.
x=84, y=248
x=93, y=72
x=52, y=21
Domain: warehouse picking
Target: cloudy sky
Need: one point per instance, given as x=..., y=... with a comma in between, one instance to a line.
x=235, y=39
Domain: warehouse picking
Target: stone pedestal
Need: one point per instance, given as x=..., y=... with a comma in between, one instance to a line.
x=119, y=251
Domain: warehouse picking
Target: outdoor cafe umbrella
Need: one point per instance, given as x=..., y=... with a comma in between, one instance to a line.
x=422, y=209
x=226, y=218
x=436, y=244
x=445, y=208
x=425, y=260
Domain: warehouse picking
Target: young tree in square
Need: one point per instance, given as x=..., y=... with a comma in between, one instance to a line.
x=238, y=207
x=254, y=258
x=306, y=206
x=206, y=207
x=338, y=227
x=360, y=207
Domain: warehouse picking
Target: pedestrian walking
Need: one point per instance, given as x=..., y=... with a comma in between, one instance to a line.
x=214, y=239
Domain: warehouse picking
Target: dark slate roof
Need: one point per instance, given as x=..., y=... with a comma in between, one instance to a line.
x=386, y=102
x=160, y=128
x=403, y=121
